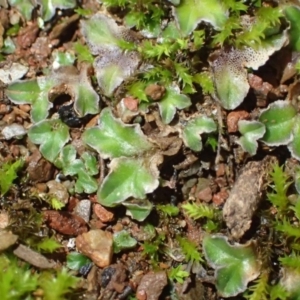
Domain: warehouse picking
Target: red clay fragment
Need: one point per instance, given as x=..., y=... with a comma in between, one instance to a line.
x=131, y=103
x=233, y=119
x=103, y=214
x=65, y=223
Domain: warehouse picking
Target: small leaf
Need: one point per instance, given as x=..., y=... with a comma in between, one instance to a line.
x=57, y=286
x=294, y=145
x=251, y=131
x=13, y=30
x=62, y=59
x=198, y=211
x=84, y=168
x=172, y=100
x=24, y=7
x=112, y=138
x=34, y=92
x=205, y=81
x=230, y=75
x=101, y=32
x=52, y=135
x=123, y=241
x=48, y=245
x=138, y=209
x=177, y=274
x=297, y=180
x=194, y=128
x=86, y=99
x=90, y=163
x=235, y=265
x=279, y=121
x=9, y=46
x=85, y=183
x=84, y=12
x=83, y=53
x=49, y=7
x=189, y=13
x=168, y=209
x=189, y=249
x=67, y=161
x=8, y=173
x=171, y=31
x=113, y=67
x=76, y=260
x=56, y=203
x=128, y=177
x=292, y=13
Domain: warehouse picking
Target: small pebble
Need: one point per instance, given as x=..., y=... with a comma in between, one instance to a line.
x=83, y=209
x=97, y=245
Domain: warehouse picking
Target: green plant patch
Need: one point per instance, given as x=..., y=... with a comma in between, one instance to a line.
x=68, y=162
x=189, y=14
x=128, y=177
x=48, y=245
x=101, y=32
x=138, y=209
x=297, y=180
x=113, y=65
x=62, y=59
x=168, y=209
x=49, y=7
x=51, y=135
x=83, y=53
x=229, y=71
x=280, y=184
x=16, y=282
x=58, y=285
x=251, y=131
x=112, y=138
x=84, y=12
x=279, y=119
x=260, y=289
x=13, y=30
x=178, y=274
x=84, y=168
x=25, y=7
x=189, y=249
x=56, y=204
x=33, y=92
x=76, y=260
x=199, y=211
x=154, y=248
x=8, y=173
x=292, y=13
x=172, y=100
x=8, y=46
x=294, y=145
x=123, y=241
x=86, y=100
x=192, y=131
x=205, y=80
x=78, y=86
x=235, y=265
